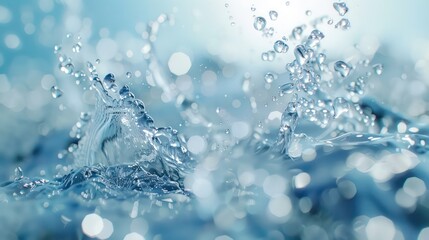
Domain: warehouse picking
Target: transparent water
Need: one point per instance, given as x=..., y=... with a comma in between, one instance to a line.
x=325, y=147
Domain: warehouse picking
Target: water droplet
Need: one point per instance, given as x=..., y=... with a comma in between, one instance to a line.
x=321, y=58
x=314, y=38
x=67, y=69
x=341, y=106
x=273, y=15
x=226, y=5
x=308, y=12
x=85, y=117
x=341, y=8
x=269, y=77
x=271, y=55
x=301, y=54
x=287, y=3
x=297, y=32
x=91, y=68
x=97, y=61
x=280, y=46
x=286, y=88
x=56, y=92
x=109, y=81
x=77, y=47
x=227, y=131
x=378, y=69
x=128, y=74
x=69, y=35
x=57, y=48
x=124, y=92
x=253, y=8
x=342, y=68
x=218, y=110
x=343, y=24
x=259, y=23
x=18, y=173
x=264, y=56
x=330, y=21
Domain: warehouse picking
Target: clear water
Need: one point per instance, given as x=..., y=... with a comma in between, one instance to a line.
x=309, y=152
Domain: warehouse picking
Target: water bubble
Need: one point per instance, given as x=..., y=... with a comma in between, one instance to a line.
x=56, y=92
x=280, y=46
x=77, y=47
x=269, y=77
x=341, y=106
x=259, y=23
x=330, y=21
x=253, y=8
x=109, y=81
x=67, y=68
x=341, y=8
x=343, y=24
x=314, y=38
x=273, y=15
x=287, y=88
x=128, y=74
x=69, y=35
x=308, y=12
x=226, y=5
x=97, y=61
x=287, y=3
x=378, y=69
x=342, y=68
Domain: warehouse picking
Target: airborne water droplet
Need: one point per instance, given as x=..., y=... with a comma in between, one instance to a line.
x=18, y=173
x=314, y=38
x=378, y=69
x=297, y=32
x=340, y=106
x=91, y=68
x=259, y=23
x=271, y=55
x=280, y=46
x=342, y=68
x=77, y=47
x=128, y=74
x=67, y=69
x=269, y=77
x=343, y=24
x=301, y=54
x=273, y=15
x=264, y=56
x=308, y=12
x=56, y=92
x=57, y=48
x=286, y=88
x=341, y=8
x=109, y=81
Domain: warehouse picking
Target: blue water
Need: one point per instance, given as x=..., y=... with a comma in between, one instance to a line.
x=107, y=138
